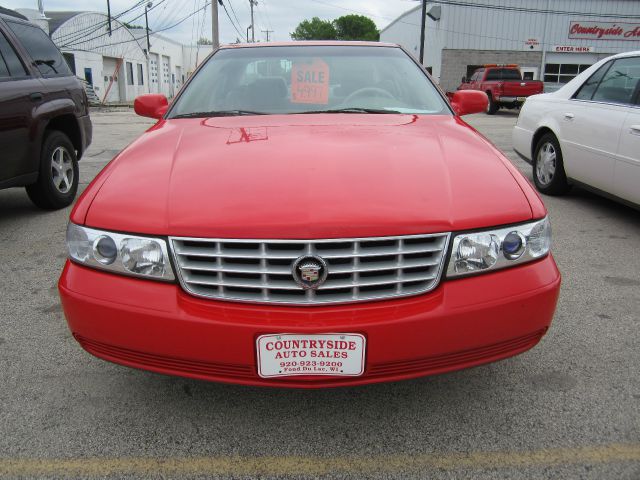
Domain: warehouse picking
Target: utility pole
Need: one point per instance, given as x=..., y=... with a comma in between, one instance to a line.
x=146, y=22
x=215, y=31
x=422, y=27
x=248, y=28
x=253, y=27
x=267, y=32
x=109, y=16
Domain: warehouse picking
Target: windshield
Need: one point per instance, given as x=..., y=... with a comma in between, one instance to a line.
x=305, y=79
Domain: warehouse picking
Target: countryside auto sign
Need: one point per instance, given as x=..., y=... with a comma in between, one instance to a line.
x=604, y=31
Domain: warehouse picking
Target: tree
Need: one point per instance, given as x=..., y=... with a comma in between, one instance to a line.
x=204, y=41
x=315, y=29
x=356, y=27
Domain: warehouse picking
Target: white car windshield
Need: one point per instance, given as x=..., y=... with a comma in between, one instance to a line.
x=307, y=79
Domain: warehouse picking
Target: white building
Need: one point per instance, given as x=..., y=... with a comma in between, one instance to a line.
x=115, y=61
x=550, y=40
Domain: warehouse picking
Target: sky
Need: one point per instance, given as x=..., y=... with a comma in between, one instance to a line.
x=281, y=16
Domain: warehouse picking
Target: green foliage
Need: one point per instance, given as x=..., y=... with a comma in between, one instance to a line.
x=356, y=27
x=315, y=29
x=204, y=41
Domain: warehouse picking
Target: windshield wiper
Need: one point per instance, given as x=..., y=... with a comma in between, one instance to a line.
x=353, y=110
x=218, y=113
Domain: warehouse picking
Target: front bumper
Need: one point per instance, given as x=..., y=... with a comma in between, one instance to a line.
x=521, y=139
x=86, y=132
x=157, y=326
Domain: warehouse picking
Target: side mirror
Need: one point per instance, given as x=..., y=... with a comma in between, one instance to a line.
x=465, y=102
x=152, y=105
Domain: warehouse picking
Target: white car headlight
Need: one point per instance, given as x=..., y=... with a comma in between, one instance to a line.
x=119, y=253
x=490, y=250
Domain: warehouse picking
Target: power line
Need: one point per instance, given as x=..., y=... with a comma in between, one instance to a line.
x=96, y=27
x=234, y=13
x=75, y=42
x=157, y=31
x=230, y=19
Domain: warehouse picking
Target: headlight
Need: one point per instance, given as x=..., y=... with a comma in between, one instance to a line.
x=504, y=247
x=119, y=253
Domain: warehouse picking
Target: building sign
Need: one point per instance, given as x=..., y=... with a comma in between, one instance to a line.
x=532, y=44
x=571, y=49
x=604, y=31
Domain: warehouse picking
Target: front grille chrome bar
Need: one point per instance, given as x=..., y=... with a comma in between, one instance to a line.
x=359, y=269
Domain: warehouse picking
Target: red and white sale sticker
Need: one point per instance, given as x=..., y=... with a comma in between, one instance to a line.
x=310, y=82
x=287, y=354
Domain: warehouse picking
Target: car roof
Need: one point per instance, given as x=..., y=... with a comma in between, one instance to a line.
x=9, y=14
x=306, y=43
x=635, y=53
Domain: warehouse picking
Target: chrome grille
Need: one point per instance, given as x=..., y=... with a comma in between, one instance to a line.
x=359, y=269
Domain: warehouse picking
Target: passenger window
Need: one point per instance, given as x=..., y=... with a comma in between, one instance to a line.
x=619, y=83
x=589, y=87
x=44, y=53
x=10, y=64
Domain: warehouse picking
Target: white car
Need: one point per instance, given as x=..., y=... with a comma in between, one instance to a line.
x=587, y=133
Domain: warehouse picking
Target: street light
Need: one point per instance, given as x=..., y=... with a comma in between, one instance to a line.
x=248, y=28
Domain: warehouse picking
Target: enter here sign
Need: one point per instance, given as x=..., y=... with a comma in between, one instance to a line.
x=310, y=82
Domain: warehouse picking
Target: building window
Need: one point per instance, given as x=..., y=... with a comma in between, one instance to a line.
x=129, y=73
x=140, y=75
x=562, y=73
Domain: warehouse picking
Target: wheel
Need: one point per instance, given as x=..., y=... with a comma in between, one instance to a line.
x=548, y=168
x=58, y=175
x=492, y=107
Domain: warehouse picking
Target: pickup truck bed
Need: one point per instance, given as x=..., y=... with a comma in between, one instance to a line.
x=503, y=85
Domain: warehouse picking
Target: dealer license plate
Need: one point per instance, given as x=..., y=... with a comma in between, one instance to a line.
x=288, y=354
x=521, y=99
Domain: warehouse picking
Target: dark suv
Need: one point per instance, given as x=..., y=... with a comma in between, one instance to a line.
x=44, y=115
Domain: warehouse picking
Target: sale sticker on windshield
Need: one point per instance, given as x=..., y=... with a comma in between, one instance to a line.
x=283, y=355
x=310, y=82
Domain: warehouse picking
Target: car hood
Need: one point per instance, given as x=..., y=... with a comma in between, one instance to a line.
x=307, y=176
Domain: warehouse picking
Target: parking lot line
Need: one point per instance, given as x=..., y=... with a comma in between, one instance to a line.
x=301, y=465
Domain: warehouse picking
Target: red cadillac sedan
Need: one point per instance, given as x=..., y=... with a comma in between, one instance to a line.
x=309, y=214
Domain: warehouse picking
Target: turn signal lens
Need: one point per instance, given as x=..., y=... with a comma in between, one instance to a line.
x=540, y=239
x=78, y=244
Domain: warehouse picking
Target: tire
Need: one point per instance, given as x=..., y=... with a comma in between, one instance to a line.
x=548, y=168
x=492, y=107
x=57, y=182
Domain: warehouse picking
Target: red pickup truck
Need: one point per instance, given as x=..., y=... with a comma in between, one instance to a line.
x=503, y=84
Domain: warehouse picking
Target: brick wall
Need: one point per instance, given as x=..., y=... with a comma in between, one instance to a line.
x=454, y=63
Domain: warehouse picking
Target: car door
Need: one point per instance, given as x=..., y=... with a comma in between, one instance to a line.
x=16, y=103
x=589, y=129
x=626, y=179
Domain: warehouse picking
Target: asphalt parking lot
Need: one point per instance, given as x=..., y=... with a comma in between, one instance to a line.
x=569, y=408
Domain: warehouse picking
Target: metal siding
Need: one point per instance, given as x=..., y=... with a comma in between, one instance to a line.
x=484, y=29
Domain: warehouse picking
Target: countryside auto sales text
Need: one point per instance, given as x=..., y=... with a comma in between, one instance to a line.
x=311, y=348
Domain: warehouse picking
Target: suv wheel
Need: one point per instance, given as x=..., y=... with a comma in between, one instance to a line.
x=58, y=176
x=492, y=107
x=548, y=168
